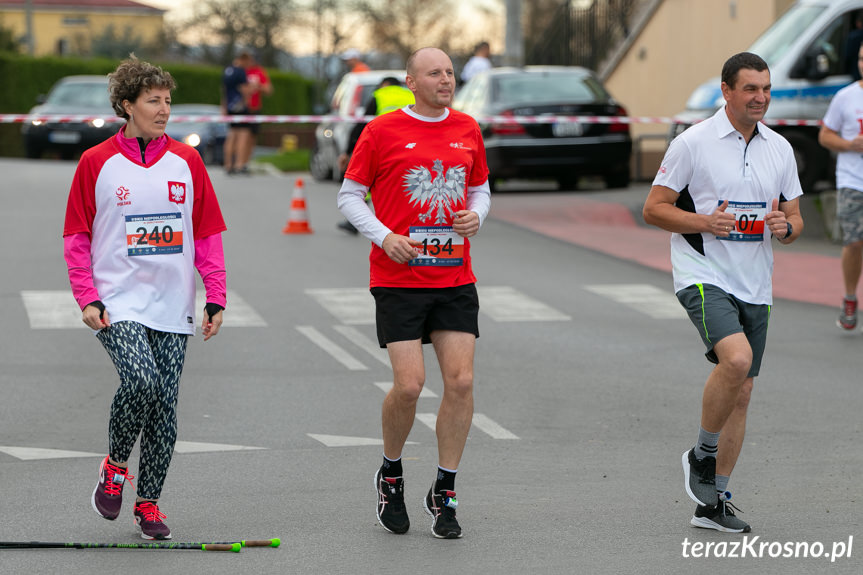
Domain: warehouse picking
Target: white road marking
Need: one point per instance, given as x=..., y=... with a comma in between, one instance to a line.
x=351, y=306
x=484, y=423
x=57, y=309
x=480, y=421
x=365, y=343
x=348, y=441
x=35, y=453
x=196, y=447
x=355, y=306
x=507, y=304
x=337, y=352
x=386, y=386
x=645, y=298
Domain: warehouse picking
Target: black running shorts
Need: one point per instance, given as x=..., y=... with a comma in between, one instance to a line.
x=405, y=314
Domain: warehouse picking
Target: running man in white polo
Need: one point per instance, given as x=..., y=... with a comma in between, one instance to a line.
x=726, y=186
x=842, y=133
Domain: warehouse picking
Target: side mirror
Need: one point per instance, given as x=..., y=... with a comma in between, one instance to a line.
x=41, y=99
x=814, y=65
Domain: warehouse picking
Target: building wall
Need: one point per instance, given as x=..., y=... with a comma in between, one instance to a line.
x=684, y=44
x=77, y=26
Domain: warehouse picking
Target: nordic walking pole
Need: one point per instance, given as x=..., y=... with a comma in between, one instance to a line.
x=235, y=547
x=275, y=542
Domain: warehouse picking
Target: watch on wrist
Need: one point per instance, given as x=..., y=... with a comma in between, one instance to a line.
x=789, y=232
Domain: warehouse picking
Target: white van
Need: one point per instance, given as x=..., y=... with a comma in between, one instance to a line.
x=806, y=51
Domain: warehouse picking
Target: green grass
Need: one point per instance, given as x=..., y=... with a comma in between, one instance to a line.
x=296, y=161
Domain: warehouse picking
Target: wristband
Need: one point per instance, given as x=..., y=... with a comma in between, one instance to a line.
x=789, y=232
x=212, y=308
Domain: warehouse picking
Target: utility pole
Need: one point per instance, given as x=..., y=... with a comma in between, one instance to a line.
x=31, y=47
x=514, y=50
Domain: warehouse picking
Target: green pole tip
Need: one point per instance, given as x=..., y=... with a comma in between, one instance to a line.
x=276, y=542
x=236, y=547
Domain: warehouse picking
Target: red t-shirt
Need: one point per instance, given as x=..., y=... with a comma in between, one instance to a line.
x=256, y=74
x=419, y=172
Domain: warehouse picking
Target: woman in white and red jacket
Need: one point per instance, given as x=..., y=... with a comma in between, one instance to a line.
x=142, y=216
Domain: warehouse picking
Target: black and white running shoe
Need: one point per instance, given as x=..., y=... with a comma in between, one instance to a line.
x=391, y=511
x=441, y=506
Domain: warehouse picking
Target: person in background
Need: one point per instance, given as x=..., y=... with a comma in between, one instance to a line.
x=141, y=217
x=389, y=96
x=259, y=86
x=852, y=47
x=478, y=62
x=353, y=59
x=841, y=133
x=236, y=91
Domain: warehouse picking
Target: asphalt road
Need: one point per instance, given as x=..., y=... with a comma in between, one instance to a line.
x=588, y=387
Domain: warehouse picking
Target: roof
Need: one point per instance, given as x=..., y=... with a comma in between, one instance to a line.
x=78, y=4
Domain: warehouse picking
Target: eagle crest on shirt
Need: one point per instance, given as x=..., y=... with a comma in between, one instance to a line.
x=435, y=192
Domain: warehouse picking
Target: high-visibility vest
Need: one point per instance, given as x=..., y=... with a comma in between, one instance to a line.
x=391, y=98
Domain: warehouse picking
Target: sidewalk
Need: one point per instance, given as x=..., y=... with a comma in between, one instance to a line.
x=610, y=222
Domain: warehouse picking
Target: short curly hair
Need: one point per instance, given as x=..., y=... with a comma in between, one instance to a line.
x=131, y=78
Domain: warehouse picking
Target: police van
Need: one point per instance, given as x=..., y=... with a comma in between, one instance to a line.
x=811, y=57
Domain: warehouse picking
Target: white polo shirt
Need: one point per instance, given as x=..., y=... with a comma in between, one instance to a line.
x=845, y=117
x=708, y=164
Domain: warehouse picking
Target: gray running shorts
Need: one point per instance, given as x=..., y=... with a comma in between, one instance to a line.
x=717, y=314
x=849, y=212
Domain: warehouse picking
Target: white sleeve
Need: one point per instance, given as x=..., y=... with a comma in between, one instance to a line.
x=675, y=172
x=352, y=203
x=479, y=200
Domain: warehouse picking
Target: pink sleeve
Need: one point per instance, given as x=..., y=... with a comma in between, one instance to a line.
x=210, y=263
x=76, y=251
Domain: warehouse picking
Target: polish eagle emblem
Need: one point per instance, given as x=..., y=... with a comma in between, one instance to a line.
x=435, y=192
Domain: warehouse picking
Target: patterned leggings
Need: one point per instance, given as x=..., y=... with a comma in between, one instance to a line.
x=150, y=364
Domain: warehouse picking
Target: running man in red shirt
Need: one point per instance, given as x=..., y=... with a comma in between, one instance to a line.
x=426, y=168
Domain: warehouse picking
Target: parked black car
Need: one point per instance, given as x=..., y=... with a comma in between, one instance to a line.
x=562, y=150
x=206, y=136
x=69, y=96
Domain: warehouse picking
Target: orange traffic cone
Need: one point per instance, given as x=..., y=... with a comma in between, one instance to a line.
x=298, y=221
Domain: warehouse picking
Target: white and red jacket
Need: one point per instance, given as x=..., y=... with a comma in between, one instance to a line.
x=137, y=226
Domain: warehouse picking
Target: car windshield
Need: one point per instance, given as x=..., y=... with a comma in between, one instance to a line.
x=779, y=38
x=544, y=88
x=80, y=94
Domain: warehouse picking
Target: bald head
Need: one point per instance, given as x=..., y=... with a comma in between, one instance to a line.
x=421, y=56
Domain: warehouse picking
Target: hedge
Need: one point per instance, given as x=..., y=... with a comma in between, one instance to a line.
x=26, y=78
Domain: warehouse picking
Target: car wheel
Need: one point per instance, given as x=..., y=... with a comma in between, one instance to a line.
x=318, y=166
x=565, y=183
x=33, y=150
x=619, y=179
x=208, y=154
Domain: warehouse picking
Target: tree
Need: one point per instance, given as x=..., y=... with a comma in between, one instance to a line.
x=402, y=26
x=116, y=45
x=253, y=24
x=7, y=40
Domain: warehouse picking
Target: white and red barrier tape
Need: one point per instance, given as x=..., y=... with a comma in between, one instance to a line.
x=83, y=118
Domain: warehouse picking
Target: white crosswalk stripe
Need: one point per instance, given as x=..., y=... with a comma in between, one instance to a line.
x=336, y=351
x=365, y=343
x=507, y=304
x=480, y=421
x=645, y=298
x=355, y=306
x=57, y=309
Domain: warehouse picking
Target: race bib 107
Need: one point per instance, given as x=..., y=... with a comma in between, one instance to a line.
x=748, y=221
